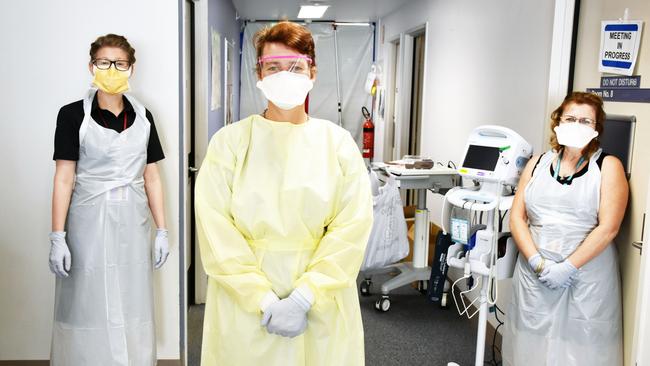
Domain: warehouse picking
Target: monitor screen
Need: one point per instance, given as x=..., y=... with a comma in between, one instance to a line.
x=481, y=157
x=617, y=138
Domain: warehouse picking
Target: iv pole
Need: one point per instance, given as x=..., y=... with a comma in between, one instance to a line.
x=338, y=79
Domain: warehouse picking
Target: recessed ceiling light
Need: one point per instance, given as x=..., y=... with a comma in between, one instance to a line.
x=312, y=11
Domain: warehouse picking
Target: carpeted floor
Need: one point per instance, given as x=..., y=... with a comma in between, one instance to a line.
x=413, y=332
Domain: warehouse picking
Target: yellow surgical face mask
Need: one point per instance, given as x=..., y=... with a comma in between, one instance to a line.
x=111, y=81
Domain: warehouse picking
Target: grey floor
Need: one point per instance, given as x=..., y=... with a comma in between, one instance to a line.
x=413, y=332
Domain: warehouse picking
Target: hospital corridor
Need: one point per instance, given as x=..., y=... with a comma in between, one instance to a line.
x=325, y=183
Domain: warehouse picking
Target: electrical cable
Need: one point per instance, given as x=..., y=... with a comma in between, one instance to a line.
x=494, y=292
x=494, y=346
x=496, y=330
x=501, y=220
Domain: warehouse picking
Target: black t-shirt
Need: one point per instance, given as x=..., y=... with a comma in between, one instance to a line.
x=583, y=171
x=68, y=122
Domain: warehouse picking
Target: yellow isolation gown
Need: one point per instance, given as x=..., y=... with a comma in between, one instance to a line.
x=279, y=206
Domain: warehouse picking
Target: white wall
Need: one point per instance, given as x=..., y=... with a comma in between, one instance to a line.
x=44, y=66
x=222, y=17
x=487, y=62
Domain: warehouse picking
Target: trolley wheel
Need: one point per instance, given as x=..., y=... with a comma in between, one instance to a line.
x=383, y=304
x=444, y=300
x=364, y=288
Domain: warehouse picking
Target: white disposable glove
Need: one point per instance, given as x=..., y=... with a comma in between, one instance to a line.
x=60, y=258
x=558, y=275
x=161, y=247
x=269, y=298
x=538, y=263
x=287, y=317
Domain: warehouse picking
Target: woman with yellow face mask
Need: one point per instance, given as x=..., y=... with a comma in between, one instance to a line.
x=106, y=183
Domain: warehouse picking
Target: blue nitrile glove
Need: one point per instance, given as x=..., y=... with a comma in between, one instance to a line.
x=558, y=275
x=60, y=258
x=161, y=247
x=287, y=317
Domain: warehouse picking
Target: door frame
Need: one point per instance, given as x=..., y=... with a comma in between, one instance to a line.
x=201, y=108
x=563, y=49
x=198, y=70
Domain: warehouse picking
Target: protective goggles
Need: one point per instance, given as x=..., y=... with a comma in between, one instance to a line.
x=298, y=64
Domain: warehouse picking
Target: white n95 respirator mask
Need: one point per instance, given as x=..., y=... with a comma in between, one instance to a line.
x=574, y=134
x=285, y=89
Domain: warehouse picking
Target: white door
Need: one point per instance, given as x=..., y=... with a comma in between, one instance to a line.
x=403, y=83
x=391, y=105
x=642, y=332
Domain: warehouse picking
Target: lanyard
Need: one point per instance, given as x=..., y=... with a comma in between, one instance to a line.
x=559, y=162
x=106, y=125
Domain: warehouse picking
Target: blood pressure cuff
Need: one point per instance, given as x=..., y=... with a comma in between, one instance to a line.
x=439, y=268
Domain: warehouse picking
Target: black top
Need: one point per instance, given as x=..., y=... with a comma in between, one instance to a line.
x=68, y=122
x=583, y=171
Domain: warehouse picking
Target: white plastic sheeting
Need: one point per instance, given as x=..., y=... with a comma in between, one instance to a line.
x=355, y=45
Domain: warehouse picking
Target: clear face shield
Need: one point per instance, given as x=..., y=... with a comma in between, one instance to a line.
x=298, y=64
x=285, y=80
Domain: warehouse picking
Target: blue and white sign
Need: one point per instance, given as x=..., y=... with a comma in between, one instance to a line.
x=619, y=46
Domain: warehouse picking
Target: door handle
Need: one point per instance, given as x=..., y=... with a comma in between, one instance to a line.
x=193, y=169
x=639, y=245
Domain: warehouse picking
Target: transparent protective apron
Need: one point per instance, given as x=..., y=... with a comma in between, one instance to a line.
x=104, y=310
x=576, y=326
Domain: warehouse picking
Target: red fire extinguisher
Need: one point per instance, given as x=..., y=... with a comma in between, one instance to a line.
x=368, y=135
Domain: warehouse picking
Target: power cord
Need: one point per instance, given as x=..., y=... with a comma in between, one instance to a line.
x=496, y=349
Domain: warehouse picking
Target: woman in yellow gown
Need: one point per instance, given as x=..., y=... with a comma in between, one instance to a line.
x=284, y=211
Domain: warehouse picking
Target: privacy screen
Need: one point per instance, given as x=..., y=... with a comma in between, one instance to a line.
x=617, y=138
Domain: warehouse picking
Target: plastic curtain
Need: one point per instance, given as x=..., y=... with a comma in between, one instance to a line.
x=355, y=58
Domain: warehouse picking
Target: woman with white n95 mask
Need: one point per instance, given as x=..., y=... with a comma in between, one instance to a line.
x=105, y=186
x=566, y=299
x=284, y=211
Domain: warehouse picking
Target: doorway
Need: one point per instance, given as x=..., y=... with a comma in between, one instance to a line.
x=414, y=132
x=403, y=135
x=415, y=120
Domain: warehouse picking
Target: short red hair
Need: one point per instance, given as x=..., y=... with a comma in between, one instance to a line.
x=290, y=34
